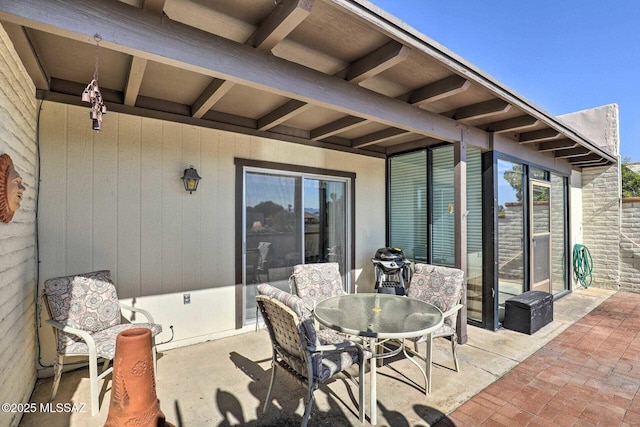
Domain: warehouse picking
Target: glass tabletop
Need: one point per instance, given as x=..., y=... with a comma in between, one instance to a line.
x=378, y=315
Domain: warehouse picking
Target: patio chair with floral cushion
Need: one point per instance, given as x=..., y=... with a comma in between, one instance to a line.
x=310, y=356
x=316, y=282
x=85, y=313
x=442, y=287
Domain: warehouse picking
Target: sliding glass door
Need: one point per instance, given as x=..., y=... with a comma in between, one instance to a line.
x=290, y=219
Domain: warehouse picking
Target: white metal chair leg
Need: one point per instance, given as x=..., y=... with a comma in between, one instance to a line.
x=57, y=373
x=361, y=386
x=93, y=380
x=454, y=349
x=428, y=358
x=154, y=354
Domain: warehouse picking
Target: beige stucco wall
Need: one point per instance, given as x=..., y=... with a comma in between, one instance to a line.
x=18, y=108
x=114, y=200
x=575, y=217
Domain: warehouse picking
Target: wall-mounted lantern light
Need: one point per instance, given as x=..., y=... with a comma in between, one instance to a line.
x=191, y=179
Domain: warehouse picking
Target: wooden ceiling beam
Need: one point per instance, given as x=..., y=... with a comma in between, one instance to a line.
x=513, y=124
x=539, y=136
x=560, y=144
x=286, y=16
x=212, y=94
x=412, y=145
x=586, y=159
x=592, y=163
x=438, y=90
x=376, y=62
x=341, y=125
x=138, y=65
x=134, y=81
x=129, y=30
x=155, y=6
x=378, y=137
x=482, y=109
x=28, y=53
x=571, y=152
x=281, y=114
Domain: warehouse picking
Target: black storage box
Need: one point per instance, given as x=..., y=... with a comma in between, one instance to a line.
x=528, y=312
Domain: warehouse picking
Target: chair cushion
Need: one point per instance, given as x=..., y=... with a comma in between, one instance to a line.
x=84, y=301
x=325, y=364
x=317, y=282
x=105, y=340
x=437, y=285
x=290, y=300
x=331, y=363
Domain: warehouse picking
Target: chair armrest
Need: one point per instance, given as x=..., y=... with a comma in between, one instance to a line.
x=66, y=328
x=144, y=312
x=336, y=347
x=455, y=308
x=91, y=344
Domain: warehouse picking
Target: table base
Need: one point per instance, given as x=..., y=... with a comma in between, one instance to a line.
x=373, y=344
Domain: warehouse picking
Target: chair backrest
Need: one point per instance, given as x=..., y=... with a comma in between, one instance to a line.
x=293, y=302
x=290, y=334
x=437, y=285
x=317, y=282
x=87, y=301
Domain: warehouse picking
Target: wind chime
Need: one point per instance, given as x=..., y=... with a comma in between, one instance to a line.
x=92, y=95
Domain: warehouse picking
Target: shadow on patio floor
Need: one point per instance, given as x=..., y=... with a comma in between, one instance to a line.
x=225, y=382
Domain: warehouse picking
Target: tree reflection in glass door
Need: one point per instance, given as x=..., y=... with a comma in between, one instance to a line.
x=272, y=232
x=291, y=219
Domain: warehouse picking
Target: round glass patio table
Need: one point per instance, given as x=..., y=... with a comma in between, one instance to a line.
x=378, y=317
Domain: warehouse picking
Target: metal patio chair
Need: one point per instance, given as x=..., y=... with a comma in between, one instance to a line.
x=310, y=356
x=85, y=313
x=442, y=287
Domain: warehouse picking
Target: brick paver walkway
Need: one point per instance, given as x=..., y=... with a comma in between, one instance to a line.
x=588, y=375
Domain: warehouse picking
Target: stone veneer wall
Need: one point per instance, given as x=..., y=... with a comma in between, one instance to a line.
x=630, y=245
x=18, y=111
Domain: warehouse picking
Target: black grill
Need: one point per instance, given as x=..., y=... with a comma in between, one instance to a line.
x=392, y=270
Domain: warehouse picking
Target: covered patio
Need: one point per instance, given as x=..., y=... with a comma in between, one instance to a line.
x=224, y=382
x=331, y=98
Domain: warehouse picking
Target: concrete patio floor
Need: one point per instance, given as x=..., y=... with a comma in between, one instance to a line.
x=224, y=382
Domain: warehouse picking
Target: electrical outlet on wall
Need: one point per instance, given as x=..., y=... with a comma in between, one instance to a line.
x=186, y=298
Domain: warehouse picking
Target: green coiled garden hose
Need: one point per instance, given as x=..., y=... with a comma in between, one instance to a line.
x=582, y=265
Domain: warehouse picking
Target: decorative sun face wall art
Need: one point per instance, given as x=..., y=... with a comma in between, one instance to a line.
x=11, y=189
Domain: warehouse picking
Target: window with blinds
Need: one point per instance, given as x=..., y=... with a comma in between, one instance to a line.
x=409, y=179
x=442, y=206
x=408, y=204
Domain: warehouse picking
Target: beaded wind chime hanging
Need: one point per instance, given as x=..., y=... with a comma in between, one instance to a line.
x=92, y=95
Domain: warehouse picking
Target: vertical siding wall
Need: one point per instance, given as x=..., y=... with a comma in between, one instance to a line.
x=17, y=239
x=114, y=200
